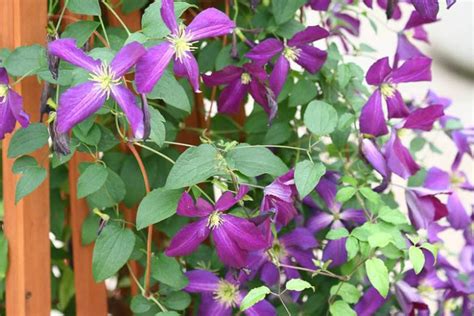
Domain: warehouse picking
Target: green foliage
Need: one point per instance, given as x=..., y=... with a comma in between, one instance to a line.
x=91, y=180
x=307, y=176
x=32, y=175
x=255, y=161
x=298, y=285
x=87, y=7
x=27, y=140
x=80, y=31
x=253, y=297
x=320, y=118
x=378, y=275
x=25, y=60
x=157, y=205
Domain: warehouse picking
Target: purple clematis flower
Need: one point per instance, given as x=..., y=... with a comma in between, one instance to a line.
x=319, y=5
x=437, y=179
x=380, y=74
x=220, y=296
x=335, y=250
x=370, y=303
x=429, y=8
x=279, y=197
x=233, y=236
x=79, y=102
x=240, y=81
x=424, y=207
x=179, y=44
x=297, y=49
x=11, y=107
x=295, y=246
x=409, y=298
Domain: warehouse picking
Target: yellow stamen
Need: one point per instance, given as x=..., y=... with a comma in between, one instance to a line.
x=181, y=43
x=214, y=220
x=226, y=293
x=291, y=53
x=245, y=78
x=387, y=90
x=3, y=90
x=105, y=78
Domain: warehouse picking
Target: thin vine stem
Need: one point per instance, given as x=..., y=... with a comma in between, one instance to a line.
x=109, y=7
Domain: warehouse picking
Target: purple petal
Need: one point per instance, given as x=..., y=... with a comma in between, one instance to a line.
x=405, y=49
x=370, y=303
x=78, y=103
x=308, y=36
x=279, y=74
x=262, y=308
x=258, y=93
x=244, y=233
x=311, y=58
x=416, y=20
x=226, y=75
x=264, y=51
x=150, y=67
x=301, y=237
x=423, y=210
x=209, y=23
x=408, y=298
x=399, y=159
x=7, y=120
x=437, y=179
x=201, y=281
x=326, y=189
x=378, y=72
x=353, y=217
x=67, y=50
x=374, y=156
x=413, y=70
x=256, y=71
x=427, y=8
x=371, y=119
x=126, y=58
x=190, y=65
x=3, y=76
x=227, y=249
x=349, y=23
x=210, y=306
x=227, y=200
x=188, y=238
x=231, y=97
x=186, y=207
x=319, y=222
x=336, y=251
x=396, y=106
x=457, y=217
x=270, y=274
x=319, y=5
x=128, y=103
x=15, y=102
x=168, y=16
x=423, y=119
x=204, y=206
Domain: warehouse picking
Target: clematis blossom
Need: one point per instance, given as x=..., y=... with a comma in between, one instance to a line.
x=335, y=250
x=380, y=74
x=11, y=107
x=370, y=303
x=319, y=5
x=221, y=295
x=234, y=237
x=179, y=45
x=429, y=8
x=105, y=80
x=240, y=81
x=297, y=49
x=424, y=207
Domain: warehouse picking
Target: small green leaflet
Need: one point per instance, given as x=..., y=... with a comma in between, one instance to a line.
x=392, y=216
x=32, y=175
x=91, y=180
x=341, y=308
x=417, y=258
x=347, y=291
x=379, y=239
x=253, y=297
x=337, y=233
x=27, y=140
x=320, y=118
x=307, y=176
x=87, y=7
x=369, y=195
x=158, y=130
x=345, y=194
x=298, y=285
x=157, y=205
x=25, y=60
x=431, y=248
x=168, y=271
x=378, y=275
x=3, y=255
x=80, y=31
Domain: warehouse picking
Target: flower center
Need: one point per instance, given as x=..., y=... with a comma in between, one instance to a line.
x=291, y=53
x=105, y=78
x=226, y=293
x=387, y=90
x=245, y=78
x=455, y=179
x=337, y=216
x=277, y=252
x=214, y=220
x=3, y=90
x=181, y=43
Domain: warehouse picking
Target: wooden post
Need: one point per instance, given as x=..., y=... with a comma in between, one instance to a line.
x=28, y=280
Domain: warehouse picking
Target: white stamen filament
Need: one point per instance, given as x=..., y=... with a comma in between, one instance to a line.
x=245, y=78
x=226, y=293
x=181, y=43
x=291, y=53
x=105, y=78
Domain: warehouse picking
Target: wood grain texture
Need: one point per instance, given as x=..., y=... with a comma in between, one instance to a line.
x=28, y=280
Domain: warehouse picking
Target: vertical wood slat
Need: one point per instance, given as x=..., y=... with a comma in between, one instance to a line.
x=27, y=224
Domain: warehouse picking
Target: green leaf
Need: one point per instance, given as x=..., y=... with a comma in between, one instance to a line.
x=431, y=248
x=339, y=308
x=347, y=291
x=253, y=297
x=21, y=164
x=112, y=250
x=30, y=180
x=195, y=165
x=370, y=195
x=140, y=304
x=284, y=10
x=157, y=205
x=337, y=233
x=25, y=60
x=66, y=288
x=392, y=216
x=298, y=285
x=345, y=194
x=170, y=90
x=307, y=176
x=158, y=130
x=91, y=180
x=81, y=31
x=111, y=193
x=3, y=256
x=303, y=92
x=168, y=271
x=417, y=258
x=27, y=140
x=87, y=7
x=378, y=275
x=90, y=227
x=380, y=239
x=255, y=161
x=320, y=118
x=178, y=300
x=128, y=6
x=169, y=313
x=352, y=247
x=152, y=22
